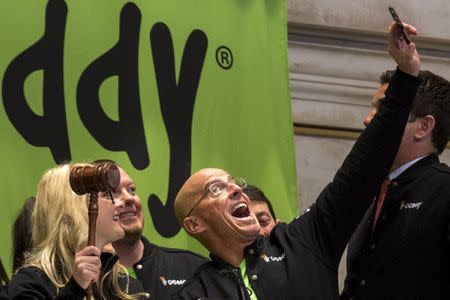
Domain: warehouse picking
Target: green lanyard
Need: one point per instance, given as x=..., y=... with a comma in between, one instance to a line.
x=243, y=267
x=132, y=272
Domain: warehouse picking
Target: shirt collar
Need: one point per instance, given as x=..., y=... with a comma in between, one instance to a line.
x=394, y=174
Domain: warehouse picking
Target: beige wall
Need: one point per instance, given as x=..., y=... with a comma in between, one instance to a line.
x=336, y=54
x=432, y=17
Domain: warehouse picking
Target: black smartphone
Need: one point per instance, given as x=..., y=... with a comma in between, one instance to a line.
x=399, y=24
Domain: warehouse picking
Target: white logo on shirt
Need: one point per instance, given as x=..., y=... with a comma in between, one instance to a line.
x=273, y=258
x=405, y=205
x=167, y=282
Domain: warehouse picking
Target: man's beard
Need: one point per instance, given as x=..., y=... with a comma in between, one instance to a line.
x=132, y=234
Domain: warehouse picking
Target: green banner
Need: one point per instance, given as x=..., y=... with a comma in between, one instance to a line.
x=162, y=87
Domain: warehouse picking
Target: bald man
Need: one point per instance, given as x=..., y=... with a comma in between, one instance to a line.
x=298, y=260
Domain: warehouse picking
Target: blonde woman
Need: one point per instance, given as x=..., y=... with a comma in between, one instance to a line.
x=60, y=265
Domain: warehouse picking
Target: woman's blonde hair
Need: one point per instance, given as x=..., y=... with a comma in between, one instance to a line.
x=60, y=229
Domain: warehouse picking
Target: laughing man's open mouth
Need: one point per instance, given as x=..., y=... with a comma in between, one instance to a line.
x=240, y=210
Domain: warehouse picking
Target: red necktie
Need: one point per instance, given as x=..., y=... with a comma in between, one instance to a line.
x=380, y=200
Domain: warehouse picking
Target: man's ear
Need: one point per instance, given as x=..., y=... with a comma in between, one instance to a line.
x=426, y=126
x=193, y=225
x=277, y=221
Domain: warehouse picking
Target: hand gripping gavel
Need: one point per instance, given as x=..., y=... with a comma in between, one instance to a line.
x=92, y=179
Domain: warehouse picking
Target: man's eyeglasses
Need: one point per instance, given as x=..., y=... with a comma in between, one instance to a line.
x=217, y=188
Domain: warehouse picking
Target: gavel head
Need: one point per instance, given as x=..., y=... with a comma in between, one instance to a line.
x=101, y=177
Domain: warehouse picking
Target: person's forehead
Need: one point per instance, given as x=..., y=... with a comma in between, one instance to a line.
x=260, y=207
x=124, y=177
x=215, y=178
x=208, y=176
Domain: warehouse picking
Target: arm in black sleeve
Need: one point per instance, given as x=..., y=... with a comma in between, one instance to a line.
x=71, y=291
x=32, y=283
x=328, y=224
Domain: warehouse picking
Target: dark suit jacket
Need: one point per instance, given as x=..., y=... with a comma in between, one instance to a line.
x=408, y=254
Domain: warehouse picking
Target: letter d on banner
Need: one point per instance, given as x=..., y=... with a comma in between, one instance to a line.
x=47, y=55
x=120, y=60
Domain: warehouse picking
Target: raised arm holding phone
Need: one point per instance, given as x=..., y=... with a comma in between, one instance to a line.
x=400, y=249
x=298, y=260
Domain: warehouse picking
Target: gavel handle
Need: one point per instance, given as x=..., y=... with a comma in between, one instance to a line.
x=93, y=213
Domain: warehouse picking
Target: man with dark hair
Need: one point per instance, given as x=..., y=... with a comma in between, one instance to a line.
x=298, y=260
x=378, y=97
x=262, y=208
x=160, y=270
x=401, y=248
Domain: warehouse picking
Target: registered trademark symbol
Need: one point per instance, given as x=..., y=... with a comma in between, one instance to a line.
x=224, y=57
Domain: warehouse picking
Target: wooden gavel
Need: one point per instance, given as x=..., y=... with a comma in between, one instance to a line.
x=92, y=179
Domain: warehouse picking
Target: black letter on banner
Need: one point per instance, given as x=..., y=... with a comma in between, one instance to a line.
x=177, y=107
x=127, y=134
x=49, y=130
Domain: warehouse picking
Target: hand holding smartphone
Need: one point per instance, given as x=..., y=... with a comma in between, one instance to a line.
x=399, y=24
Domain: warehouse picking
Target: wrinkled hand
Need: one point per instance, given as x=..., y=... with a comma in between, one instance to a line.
x=405, y=55
x=87, y=266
